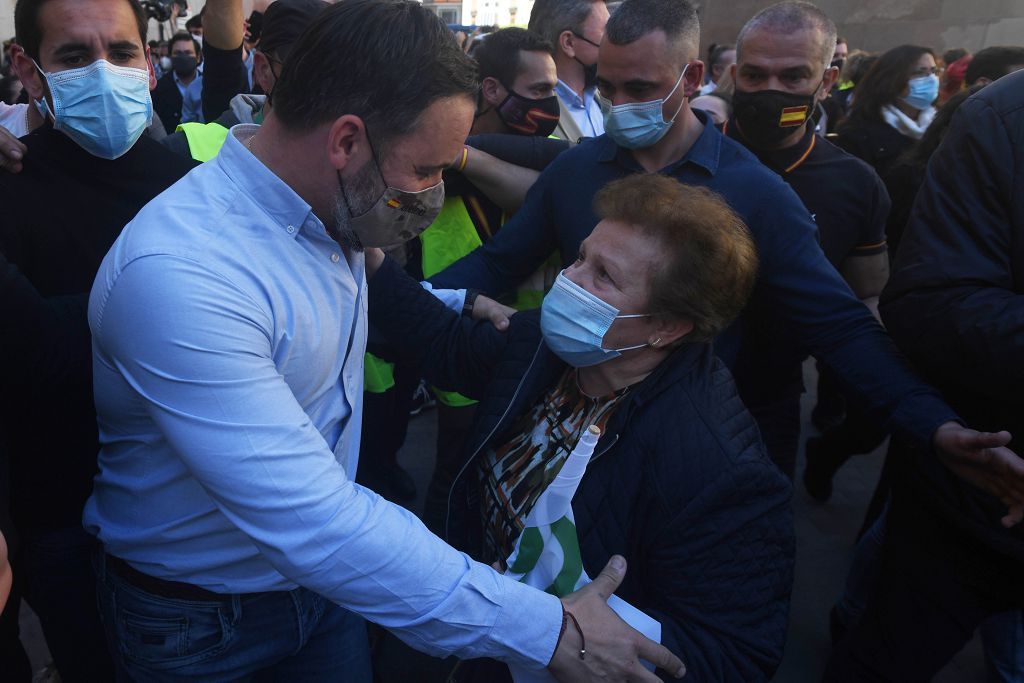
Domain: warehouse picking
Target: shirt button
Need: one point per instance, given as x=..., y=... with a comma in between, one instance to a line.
x=335, y=258
x=291, y=229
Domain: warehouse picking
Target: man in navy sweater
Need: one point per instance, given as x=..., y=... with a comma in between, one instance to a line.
x=649, y=56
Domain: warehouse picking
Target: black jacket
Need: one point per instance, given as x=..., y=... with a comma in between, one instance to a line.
x=680, y=483
x=62, y=213
x=955, y=301
x=875, y=142
x=167, y=102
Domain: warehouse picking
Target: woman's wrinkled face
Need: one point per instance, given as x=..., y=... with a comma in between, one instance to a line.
x=616, y=264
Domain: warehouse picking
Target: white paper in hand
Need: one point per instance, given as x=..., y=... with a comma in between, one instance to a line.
x=547, y=553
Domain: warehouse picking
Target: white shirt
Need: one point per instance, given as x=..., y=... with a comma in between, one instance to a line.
x=14, y=117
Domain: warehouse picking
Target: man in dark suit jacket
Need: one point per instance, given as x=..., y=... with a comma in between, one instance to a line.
x=178, y=94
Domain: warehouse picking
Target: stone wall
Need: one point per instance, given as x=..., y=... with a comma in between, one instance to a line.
x=877, y=25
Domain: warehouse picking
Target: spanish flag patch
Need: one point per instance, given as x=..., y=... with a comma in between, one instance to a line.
x=793, y=116
x=394, y=203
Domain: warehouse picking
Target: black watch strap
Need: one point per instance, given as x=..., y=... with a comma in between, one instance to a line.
x=467, y=306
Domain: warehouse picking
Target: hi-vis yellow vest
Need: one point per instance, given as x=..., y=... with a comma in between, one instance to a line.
x=204, y=139
x=451, y=236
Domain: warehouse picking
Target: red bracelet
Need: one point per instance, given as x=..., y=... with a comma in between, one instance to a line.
x=566, y=616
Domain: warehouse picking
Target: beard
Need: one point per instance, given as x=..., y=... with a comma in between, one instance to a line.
x=354, y=198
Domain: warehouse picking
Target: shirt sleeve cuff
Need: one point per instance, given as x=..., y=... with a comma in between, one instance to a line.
x=453, y=299
x=528, y=625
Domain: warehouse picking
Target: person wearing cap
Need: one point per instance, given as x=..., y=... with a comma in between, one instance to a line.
x=283, y=22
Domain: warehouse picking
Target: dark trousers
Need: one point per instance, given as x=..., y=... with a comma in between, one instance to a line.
x=53, y=573
x=937, y=584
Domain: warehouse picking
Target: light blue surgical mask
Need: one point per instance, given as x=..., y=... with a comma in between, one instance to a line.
x=636, y=125
x=574, y=322
x=102, y=107
x=922, y=91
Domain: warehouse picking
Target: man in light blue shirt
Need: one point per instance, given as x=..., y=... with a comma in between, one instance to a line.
x=575, y=28
x=229, y=327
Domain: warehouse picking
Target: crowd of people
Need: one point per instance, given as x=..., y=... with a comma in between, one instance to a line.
x=235, y=262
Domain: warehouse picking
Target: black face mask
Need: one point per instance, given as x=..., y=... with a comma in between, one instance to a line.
x=529, y=117
x=767, y=117
x=184, y=65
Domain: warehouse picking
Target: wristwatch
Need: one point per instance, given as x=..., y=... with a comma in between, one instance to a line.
x=467, y=306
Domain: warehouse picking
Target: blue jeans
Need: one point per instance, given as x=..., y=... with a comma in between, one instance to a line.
x=280, y=636
x=1003, y=638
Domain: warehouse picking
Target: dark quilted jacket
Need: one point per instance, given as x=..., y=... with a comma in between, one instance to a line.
x=680, y=483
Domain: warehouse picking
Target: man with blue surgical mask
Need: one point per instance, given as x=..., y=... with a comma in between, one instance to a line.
x=86, y=172
x=647, y=68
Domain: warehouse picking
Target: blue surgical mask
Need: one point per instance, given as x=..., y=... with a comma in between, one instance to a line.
x=102, y=107
x=922, y=91
x=636, y=125
x=574, y=322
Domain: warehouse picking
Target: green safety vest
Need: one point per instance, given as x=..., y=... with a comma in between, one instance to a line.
x=204, y=139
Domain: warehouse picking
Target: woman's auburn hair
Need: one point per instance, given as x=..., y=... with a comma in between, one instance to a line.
x=710, y=260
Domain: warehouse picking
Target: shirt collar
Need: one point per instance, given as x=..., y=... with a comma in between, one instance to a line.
x=782, y=161
x=259, y=183
x=569, y=95
x=704, y=152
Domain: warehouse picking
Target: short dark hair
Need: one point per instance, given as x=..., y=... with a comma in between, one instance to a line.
x=789, y=16
x=993, y=63
x=385, y=61
x=549, y=18
x=29, y=34
x=884, y=83
x=195, y=21
x=716, y=55
x=636, y=18
x=710, y=262
x=498, y=56
x=183, y=37
x=953, y=54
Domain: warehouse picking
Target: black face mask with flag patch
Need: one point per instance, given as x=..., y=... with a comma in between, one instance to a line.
x=767, y=117
x=529, y=117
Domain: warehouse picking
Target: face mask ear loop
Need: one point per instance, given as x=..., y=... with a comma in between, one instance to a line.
x=344, y=195
x=680, y=107
x=41, y=104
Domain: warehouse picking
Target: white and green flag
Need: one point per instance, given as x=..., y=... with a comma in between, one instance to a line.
x=547, y=553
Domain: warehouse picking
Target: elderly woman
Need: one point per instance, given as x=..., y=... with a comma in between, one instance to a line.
x=680, y=483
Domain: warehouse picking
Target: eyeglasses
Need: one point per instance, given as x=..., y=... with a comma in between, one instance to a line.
x=925, y=71
x=585, y=39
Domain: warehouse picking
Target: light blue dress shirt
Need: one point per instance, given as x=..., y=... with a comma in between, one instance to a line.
x=228, y=339
x=584, y=110
x=191, y=97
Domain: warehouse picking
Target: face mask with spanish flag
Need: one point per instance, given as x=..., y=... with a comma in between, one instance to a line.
x=767, y=117
x=397, y=215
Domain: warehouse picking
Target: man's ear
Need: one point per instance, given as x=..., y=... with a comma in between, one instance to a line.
x=25, y=68
x=694, y=78
x=567, y=43
x=827, y=82
x=347, y=142
x=149, y=68
x=492, y=91
x=263, y=72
